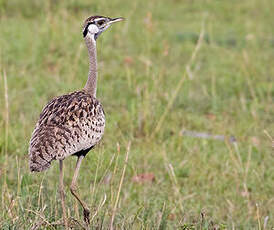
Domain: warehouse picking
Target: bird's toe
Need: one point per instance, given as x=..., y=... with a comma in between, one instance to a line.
x=87, y=216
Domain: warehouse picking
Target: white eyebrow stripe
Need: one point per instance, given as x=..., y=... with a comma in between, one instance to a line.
x=98, y=19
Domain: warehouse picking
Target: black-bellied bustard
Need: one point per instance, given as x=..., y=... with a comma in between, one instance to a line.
x=72, y=124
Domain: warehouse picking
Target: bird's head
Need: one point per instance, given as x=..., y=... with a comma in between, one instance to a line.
x=95, y=25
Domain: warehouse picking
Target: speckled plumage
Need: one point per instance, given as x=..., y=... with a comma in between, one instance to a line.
x=67, y=125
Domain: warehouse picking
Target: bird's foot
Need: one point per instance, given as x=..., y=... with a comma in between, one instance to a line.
x=86, y=216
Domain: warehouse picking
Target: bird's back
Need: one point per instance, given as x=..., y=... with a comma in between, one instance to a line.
x=69, y=124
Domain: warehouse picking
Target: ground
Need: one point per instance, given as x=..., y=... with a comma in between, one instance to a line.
x=173, y=71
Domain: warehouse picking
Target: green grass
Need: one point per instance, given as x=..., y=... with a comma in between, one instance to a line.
x=149, y=98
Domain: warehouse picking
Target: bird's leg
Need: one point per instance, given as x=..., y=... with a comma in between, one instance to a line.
x=62, y=193
x=73, y=189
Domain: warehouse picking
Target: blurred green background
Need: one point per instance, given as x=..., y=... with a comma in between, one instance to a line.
x=197, y=65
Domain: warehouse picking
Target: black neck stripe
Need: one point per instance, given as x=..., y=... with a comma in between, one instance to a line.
x=85, y=32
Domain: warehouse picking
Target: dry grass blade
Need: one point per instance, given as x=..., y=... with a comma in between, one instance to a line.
x=6, y=125
x=175, y=184
x=180, y=83
x=119, y=189
x=258, y=216
x=196, y=50
x=99, y=207
x=43, y=219
x=269, y=137
x=6, y=111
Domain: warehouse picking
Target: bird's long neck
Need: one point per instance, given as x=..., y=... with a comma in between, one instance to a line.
x=91, y=83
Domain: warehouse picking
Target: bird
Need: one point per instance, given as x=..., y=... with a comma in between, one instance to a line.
x=72, y=124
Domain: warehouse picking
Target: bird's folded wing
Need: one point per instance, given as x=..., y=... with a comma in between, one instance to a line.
x=67, y=125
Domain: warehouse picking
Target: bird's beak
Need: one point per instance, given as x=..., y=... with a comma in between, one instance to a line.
x=113, y=20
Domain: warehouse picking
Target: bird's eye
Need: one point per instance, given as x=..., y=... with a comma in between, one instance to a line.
x=101, y=22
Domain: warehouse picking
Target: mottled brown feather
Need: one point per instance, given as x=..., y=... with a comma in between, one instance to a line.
x=68, y=124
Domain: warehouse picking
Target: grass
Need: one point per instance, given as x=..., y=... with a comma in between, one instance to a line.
x=203, y=66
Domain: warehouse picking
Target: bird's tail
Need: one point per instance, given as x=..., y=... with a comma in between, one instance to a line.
x=38, y=161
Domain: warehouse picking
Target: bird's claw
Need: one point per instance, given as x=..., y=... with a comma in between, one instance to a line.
x=86, y=216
